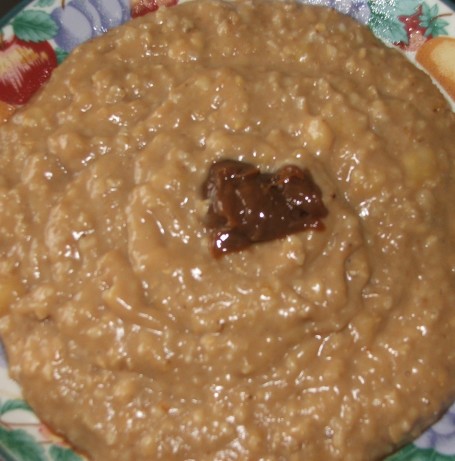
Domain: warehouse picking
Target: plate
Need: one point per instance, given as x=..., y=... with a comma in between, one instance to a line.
x=39, y=34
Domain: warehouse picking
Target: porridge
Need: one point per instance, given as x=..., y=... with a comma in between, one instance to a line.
x=131, y=338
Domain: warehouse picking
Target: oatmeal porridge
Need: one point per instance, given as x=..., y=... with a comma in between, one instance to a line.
x=132, y=338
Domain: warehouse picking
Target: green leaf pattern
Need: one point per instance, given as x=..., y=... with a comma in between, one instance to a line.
x=44, y=3
x=384, y=20
x=61, y=55
x=14, y=404
x=34, y=26
x=405, y=7
x=19, y=443
x=430, y=20
x=413, y=453
x=63, y=454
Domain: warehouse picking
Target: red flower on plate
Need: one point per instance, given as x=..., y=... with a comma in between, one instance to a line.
x=24, y=67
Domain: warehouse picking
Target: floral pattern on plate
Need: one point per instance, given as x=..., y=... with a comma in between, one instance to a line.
x=31, y=440
x=39, y=37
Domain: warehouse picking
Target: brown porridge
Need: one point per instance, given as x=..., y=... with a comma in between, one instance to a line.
x=132, y=340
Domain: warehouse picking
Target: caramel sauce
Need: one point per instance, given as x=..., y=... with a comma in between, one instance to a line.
x=248, y=207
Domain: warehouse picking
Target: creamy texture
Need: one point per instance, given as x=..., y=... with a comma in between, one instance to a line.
x=130, y=339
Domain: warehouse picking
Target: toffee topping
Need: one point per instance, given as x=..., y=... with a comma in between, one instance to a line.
x=247, y=206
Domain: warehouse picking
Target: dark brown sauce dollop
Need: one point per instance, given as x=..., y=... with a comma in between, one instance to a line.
x=247, y=206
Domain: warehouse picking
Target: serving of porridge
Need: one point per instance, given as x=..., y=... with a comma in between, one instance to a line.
x=129, y=332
